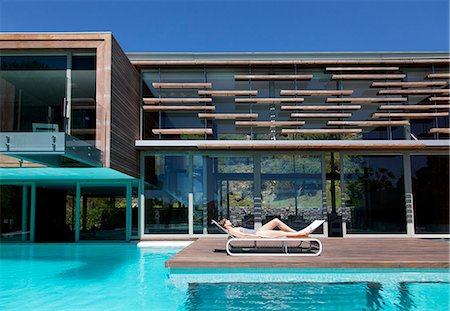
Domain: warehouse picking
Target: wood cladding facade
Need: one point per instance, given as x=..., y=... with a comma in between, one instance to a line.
x=125, y=113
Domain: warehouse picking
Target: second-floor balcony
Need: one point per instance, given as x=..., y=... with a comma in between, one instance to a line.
x=50, y=148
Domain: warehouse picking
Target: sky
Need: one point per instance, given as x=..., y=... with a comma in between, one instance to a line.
x=243, y=25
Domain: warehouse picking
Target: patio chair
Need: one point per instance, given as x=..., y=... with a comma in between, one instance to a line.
x=273, y=246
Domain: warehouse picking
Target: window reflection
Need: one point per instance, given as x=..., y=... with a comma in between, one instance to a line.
x=374, y=193
x=430, y=182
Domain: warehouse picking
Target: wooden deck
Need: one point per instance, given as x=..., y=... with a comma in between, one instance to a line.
x=337, y=253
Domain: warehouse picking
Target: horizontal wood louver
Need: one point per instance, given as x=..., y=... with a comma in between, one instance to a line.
x=439, y=99
x=440, y=130
x=438, y=76
x=179, y=131
x=321, y=131
x=412, y=115
x=414, y=92
x=362, y=68
x=196, y=100
x=228, y=115
x=368, y=123
x=316, y=92
x=228, y=93
x=413, y=107
x=367, y=100
x=271, y=77
x=321, y=115
x=83, y=107
x=83, y=131
x=276, y=100
x=368, y=76
x=160, y=85
x=321, y=107
x=409, y=84
x=269, y=123
x=180, y=108
x=83, y=100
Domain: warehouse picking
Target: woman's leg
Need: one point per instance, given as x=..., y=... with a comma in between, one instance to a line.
x=280, y=234
x=274, y=223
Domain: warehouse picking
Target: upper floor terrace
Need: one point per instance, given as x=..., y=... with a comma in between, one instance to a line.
x=294, y=96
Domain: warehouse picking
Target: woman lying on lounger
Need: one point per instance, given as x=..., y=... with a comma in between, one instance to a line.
x=267, y=231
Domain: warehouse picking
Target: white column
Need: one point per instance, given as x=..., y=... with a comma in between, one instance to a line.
x=191, y=213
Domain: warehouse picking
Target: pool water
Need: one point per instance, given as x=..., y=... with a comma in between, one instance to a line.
x=125, y=277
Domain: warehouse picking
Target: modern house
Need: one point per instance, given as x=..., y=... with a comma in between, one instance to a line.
x=100, y=144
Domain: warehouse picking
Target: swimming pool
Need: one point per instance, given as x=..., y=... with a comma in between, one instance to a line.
x=125, y=277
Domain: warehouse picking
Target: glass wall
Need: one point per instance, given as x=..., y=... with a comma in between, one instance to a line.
x=374, y=194
x=430, y=184
x=55, y=213
x=291, y=189
x=228, y=128
x=226, y=185
x=230, y=189
x=83, y=97
x=14, y=213
x=167, y=185
x=33, y=91
x=102, y=213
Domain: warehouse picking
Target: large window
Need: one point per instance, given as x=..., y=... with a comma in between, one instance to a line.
x=374, y=193
x=167, y=187
x=35, y=93
x=229, y=185
x=102, y=213
x=14, y=213
x=291, y=189
x=33, y=89
x=430, y=182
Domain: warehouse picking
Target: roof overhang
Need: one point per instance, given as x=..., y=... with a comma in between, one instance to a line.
x=329, y=145
x=62, y=174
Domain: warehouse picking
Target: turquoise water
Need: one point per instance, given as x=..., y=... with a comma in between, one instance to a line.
x=125, y=277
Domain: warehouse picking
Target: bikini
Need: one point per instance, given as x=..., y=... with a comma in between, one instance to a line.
x=248, y=231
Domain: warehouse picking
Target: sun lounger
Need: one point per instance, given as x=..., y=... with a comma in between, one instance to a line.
x=273, y=247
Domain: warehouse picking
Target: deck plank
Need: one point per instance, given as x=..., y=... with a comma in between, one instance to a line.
x=337, y=253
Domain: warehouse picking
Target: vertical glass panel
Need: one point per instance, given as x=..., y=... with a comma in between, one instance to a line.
x=375, y=195
x=135, y=212
x=167, y=186
x=12, y=215
x=55, y=214
x=229, y=189
x=83, y=97
x=200, y=203
x=103, y=213
x=26, y=105
x=291, y=189
x=430, y=184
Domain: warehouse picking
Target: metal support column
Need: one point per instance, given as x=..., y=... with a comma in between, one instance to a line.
x=33, y=212
x=257, y=201
x=77, y=212
x=24, y=212
x=409, y=203
x=128, y=212
x=324, y=194
x=344, y=214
